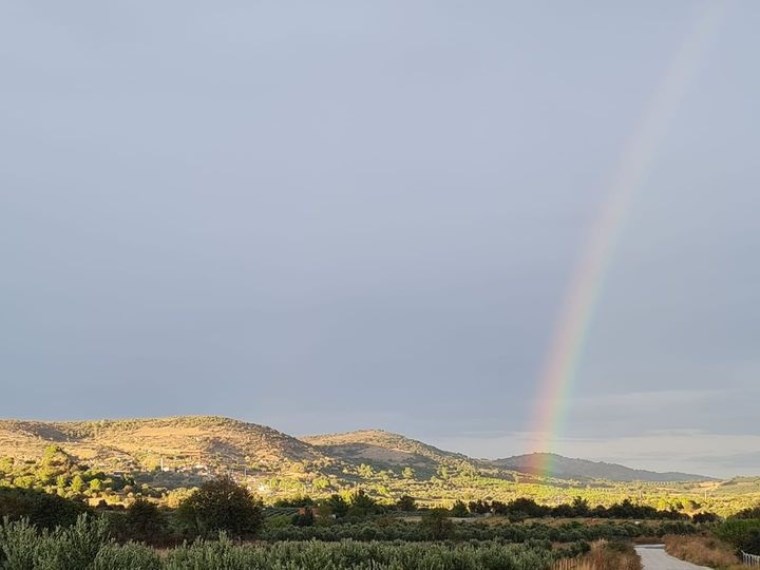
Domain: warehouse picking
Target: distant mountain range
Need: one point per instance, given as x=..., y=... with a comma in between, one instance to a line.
x=218, y=444
x=566, y=468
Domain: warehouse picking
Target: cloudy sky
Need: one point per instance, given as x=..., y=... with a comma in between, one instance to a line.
x=328, y=215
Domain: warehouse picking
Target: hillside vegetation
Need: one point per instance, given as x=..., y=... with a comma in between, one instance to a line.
x=208, y=441
x=118, y=460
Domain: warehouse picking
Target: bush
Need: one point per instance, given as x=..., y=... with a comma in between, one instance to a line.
x=127, y=557
x=23, y=547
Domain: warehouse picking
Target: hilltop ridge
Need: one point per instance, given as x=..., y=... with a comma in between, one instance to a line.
x=570, y=468
x=220, y=443
x=384, y=448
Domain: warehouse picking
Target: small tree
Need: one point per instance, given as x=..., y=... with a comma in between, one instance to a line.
x=366, y=471
x=77, y=484
x=221, y=505
x=459, y=510
x=580, y=507
x=362, y=504
x=407, y=473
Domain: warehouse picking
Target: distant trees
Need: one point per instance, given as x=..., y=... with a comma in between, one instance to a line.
x=748, y=513
x=297, y=501
x=523, y=508
x=221, y=505
x=704, y=518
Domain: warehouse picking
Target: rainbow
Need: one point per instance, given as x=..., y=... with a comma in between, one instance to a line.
x=570, y=331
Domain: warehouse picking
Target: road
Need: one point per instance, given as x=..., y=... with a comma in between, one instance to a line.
x=655, y=558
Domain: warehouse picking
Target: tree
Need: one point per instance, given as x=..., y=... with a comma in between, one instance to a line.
x=335, y=506
x=366, y=471
x=437, y=524
x=459, y=510
x=406, y=504
x=581, y=507
x=221, y=505
x=467, y=469
x=144, y=522
x=528, y=507
x=77, y=484
x=362, y=504
x=321, y=483
x=407, y=473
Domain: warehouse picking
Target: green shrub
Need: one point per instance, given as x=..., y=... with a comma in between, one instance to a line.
x=127, y=557
x=744, y=534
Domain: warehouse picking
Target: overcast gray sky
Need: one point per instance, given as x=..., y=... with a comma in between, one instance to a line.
x=328, y=215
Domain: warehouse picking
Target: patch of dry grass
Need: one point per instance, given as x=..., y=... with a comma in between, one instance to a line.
x=703, y=551
x=604, y=556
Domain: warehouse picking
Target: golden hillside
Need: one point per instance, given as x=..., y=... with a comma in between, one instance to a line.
x=145, y=443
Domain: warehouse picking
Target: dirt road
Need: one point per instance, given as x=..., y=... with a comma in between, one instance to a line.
x=655, y=558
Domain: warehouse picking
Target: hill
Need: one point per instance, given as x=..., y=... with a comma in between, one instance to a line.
x=209, y=441
x=567, y=468
x=220, y=445
x=385, y=450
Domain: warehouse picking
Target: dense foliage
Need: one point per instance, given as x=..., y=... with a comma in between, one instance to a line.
x=528, y=508
x=742, y=533
x=435, y=527
x=221, y=505
x=41, y=509
x=85, y=546
x=60, y=473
